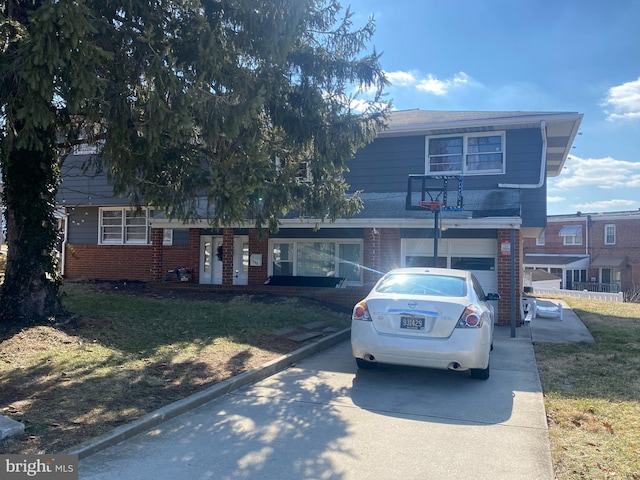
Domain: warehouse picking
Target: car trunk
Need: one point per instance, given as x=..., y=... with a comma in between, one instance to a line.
x=417, y=315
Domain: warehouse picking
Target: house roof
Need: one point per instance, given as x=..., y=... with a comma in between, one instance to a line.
x=561, y=127
x=539, y=275
x=557, y=261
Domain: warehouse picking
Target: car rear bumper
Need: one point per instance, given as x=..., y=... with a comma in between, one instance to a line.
x=464, y=349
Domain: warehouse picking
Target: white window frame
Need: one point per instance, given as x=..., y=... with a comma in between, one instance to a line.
x=572, y=240
x=465, y=154
x=123, y=227
x=540, y=240
x=167, y=236
x=610, y=232
x=336, y=260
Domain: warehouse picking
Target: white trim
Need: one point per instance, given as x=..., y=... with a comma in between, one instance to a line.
x=613, y=226
x=488, y=223
x=123, y=227
x=465, y=153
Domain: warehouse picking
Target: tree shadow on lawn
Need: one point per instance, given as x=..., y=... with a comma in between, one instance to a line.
x=65, y=402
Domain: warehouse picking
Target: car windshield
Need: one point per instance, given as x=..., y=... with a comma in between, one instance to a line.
x=421, y=284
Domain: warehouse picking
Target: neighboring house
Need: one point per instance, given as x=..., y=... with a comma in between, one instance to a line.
x=496, y=164
x=598, y=252
x=539, y=278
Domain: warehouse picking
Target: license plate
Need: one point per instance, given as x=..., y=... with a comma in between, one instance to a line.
x=412, y=323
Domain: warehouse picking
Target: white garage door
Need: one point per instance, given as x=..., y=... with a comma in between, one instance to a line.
x=476, y=255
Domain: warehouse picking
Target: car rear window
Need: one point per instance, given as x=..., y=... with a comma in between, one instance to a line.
x=421, y=284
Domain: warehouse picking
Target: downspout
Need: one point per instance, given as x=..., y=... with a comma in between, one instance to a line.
x=543, y=164
x=63, y=253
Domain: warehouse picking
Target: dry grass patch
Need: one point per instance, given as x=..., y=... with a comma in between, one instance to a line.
x=592, y=395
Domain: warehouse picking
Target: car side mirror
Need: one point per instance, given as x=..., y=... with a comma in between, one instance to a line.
x=492, y=296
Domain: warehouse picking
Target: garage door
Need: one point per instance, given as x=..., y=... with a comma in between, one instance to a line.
x=478, y=256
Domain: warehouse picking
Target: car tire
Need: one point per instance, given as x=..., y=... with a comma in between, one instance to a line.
x=364, y=364
x=480, y=373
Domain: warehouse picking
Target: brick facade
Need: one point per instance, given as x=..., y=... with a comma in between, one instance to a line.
x=504, y=275
x=258, y=245
x=627, y=232
x=381, y=252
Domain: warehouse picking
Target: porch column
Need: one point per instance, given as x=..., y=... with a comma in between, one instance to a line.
x=504, y=275
x=194, y=254
x=227, y=257
x=157, y=235
x=258, y=245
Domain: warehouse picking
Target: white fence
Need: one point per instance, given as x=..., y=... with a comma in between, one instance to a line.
x=609, y=297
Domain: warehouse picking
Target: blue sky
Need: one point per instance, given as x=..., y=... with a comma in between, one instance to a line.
x=545, y=55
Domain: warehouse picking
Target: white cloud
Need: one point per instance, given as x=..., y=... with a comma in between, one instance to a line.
x=442, y=87
x=624, y=101
x=430, y=83
x=607, y=205
x=555, y=199
x=401, y=79
x=605, y=173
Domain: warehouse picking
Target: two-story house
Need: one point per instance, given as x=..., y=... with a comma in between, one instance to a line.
x=492, y=166
x=589, y=251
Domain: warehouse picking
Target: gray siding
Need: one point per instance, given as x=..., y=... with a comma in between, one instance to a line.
x=82, y=226
x=85, y=188
x=384, y=166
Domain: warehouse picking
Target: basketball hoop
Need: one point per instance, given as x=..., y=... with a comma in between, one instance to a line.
x=433, y=205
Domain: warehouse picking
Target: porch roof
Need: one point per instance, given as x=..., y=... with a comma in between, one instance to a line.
x=571, y=262
x=609, y=261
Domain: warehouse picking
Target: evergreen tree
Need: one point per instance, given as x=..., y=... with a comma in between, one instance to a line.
x=221, y=99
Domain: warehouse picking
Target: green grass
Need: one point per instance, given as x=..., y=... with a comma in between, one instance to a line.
x=592, y=394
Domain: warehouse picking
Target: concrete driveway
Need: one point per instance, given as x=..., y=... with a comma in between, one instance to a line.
x=324, y=419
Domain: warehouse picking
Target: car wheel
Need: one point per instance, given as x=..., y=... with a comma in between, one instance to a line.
x=480, y=373
x=364, y=364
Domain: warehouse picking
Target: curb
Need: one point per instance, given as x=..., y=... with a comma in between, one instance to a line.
x=174, y=409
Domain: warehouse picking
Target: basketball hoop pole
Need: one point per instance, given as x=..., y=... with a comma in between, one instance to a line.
x=436, y=235
x=435, y=206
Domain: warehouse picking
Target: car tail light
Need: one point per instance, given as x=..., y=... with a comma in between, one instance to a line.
x=360, y=312
x=470, y=318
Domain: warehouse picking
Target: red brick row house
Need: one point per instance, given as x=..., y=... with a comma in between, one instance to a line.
x=598, y=252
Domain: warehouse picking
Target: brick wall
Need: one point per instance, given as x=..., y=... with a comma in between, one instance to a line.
x=504, y=277
x=258, y=244
x=113, y=262
x=381, y=252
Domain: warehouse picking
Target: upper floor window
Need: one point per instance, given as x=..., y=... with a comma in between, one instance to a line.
x=88, y=148
x=302, y=174
x=540, y=239
x=609, y=234
x=466, y=154
x=571, y=234
x=124, y=226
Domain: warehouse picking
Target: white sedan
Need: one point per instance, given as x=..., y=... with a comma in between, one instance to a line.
x=425, y=317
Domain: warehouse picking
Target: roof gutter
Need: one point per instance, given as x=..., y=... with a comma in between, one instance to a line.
x=543, y=164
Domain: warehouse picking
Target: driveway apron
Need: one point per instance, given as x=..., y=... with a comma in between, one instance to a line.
x=325, y=419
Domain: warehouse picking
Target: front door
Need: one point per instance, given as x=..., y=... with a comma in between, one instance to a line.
x=211, y=260
x=241, y=260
